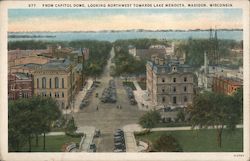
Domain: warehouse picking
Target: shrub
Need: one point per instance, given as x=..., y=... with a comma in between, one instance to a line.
x=167, y=143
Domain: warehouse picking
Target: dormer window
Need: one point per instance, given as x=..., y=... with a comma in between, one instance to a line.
x=162, y=80
x=174, y=68
x=174, y=79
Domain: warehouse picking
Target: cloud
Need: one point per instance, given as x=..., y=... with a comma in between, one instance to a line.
x=123, y=21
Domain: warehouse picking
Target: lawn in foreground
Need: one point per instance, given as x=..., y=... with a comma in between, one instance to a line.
x=202, y=140
x=53, y=143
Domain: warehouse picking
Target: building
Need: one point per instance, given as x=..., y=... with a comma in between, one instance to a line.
x=169, y=84
x=20, y=85
x=24, y=68
x=226, y=85
x=56, y=79
x=31, y=59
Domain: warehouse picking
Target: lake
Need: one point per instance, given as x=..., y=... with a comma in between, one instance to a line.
x=113, y=36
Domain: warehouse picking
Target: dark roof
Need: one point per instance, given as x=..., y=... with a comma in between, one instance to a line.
x=56, y=64
x=167, y=66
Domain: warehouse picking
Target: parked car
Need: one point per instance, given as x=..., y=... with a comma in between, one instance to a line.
x=92, y=148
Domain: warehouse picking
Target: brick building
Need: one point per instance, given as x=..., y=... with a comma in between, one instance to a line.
x=20, y=85
x=226, y=85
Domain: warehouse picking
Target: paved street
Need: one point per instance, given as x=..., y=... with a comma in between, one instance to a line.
x=107, y=118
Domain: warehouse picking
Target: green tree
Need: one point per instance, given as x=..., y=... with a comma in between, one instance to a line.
x=167, y=143
x=150, y=119
x=28, y=118
x=181, y=115
x=213, y=109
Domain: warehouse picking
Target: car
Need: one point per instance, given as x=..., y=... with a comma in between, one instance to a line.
x=119, y=131
x=119, y=150
x=96, y=95
x=119, y=142
x=118, y=139
x=92, y=148
x=118, y=134
x=97, y=133
x=119, y=146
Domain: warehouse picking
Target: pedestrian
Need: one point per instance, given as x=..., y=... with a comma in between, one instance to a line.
x=97, y=108
x=117, y=106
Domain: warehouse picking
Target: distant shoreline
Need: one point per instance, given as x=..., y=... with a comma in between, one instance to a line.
x=133, y=30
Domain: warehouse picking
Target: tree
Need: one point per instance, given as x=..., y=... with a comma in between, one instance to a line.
x=28, y=118
x=150, y=119
x=167, y=143
x=213, y=109
x=181, y=116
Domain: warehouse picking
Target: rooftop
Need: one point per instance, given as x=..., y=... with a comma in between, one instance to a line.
x=57, y=64
x=22, y=76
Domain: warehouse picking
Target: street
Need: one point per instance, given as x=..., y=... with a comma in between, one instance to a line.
x=107, y=117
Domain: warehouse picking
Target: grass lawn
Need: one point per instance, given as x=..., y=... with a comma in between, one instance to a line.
x=142, y=85
x=53, y=143
x=202, y=140
x=129, y=84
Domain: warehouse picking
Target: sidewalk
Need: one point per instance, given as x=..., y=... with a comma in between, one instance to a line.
x=79, y=97
x=55, y=133
x=141, y=97
x=89, y=131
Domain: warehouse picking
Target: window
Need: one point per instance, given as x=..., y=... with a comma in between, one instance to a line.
x=185, y=99
x=163, y=90
x=174, y=100
x=37, y=83
x=163, y=80
x=185, y=79
x=43, y=82
x=174, y=89
x=62, y=82
x=56, y=82
x=163, y=99
x=185, y=89
x=62, y=94
x=50, y=83
x=50, y=94
x=174, y=79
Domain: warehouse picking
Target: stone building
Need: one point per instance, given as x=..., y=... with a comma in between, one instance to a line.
x=56, y=79
x=169, y=83
x=20, y=85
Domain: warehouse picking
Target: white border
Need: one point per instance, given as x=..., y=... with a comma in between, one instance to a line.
x=4, y=5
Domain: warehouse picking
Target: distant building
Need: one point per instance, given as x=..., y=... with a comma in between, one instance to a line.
x=207, y=73
x=169, y=84
x=147, y=53
x=226, y=85
x=20, y=85
x=56, y=79
x=31, y=59
x=24, y=68
x=81, y=55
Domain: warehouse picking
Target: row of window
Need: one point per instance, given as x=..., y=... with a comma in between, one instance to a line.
x=56, y=83
x=174, y=89
x=56, y=94
x=174, y=99
x=174, y=80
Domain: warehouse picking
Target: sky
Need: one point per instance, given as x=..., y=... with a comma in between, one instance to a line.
x=121, y=19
